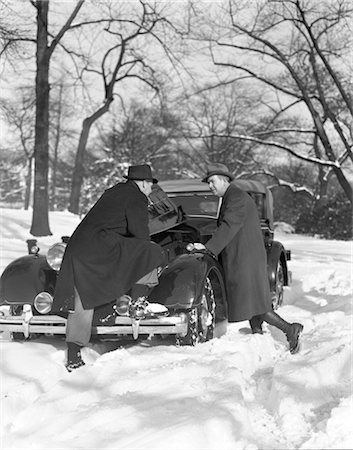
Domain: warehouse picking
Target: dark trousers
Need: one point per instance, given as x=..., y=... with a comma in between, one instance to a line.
x=79, y=323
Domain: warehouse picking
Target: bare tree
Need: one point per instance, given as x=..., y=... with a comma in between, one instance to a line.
x=40, y=218
x=296, y=52
x=121, y=56
x=19, y=114
x=13, y=39
x=45, y=42
x=212, y=116
x=10, y=35
x=62, y=139
x=125, y=57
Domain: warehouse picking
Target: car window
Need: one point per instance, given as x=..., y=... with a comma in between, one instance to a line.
x=196, y=204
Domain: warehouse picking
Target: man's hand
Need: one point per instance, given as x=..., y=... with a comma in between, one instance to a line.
x=199, y=246
x=195, y=246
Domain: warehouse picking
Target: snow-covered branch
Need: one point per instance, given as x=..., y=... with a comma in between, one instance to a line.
x=294, y=187
x=284, y=130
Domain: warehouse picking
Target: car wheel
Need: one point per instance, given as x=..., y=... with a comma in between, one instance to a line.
x=201, y=320
x=277, y=298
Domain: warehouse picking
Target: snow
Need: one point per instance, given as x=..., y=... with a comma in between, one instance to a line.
x=240, y=391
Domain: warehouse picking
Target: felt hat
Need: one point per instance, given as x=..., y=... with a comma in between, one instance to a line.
x=141, y=172
x=217, y=169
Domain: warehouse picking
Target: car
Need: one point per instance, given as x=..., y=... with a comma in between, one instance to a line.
x=189, y=303
x=201, y=207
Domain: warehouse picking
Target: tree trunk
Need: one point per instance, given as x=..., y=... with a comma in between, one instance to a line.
x=53, y=202
x=28, y=183
x=341, y=178
x=40, y=217
x=78, y=174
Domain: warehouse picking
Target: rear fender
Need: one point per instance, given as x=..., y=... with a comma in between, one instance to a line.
x=24, y=278
x=276, y=253
x=181, y=283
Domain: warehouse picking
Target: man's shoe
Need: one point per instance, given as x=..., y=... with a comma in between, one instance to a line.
x=256, y=324
x=293, y=334
x=70, y=366
x=257, y=330
x=74, y=359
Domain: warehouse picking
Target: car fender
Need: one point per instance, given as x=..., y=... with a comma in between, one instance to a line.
x=24, y=278
x=276, y=253
x=181, y=283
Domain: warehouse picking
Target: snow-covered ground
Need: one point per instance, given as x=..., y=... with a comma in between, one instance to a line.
x=240, y=391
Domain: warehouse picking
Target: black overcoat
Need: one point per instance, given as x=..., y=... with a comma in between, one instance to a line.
x=109, y=250
x=239, y=242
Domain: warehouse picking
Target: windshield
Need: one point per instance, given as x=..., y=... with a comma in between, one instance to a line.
x=196, y=204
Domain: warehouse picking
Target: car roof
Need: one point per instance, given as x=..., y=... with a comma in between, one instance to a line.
x=196, y=185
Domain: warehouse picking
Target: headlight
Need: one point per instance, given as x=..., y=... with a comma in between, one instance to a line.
x=33, y=248
x=55, y=255
x=43, y=302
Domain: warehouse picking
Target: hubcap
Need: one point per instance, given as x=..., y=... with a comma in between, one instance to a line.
x=277, y=301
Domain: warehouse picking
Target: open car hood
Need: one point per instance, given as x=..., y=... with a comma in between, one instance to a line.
x=163, y=214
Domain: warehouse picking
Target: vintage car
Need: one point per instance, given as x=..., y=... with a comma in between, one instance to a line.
x=190, y=300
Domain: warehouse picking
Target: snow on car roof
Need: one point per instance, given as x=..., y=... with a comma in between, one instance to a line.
x=196, y=185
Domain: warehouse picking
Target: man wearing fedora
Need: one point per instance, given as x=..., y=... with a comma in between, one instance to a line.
x=108, y=255
x=238, y=242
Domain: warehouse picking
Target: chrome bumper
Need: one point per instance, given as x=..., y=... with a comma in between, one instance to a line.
x=27, y=324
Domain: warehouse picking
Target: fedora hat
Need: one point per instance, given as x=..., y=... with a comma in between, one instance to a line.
x=217, y=169
x=142, y=172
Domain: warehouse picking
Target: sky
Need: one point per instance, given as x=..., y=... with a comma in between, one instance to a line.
x=236, y=392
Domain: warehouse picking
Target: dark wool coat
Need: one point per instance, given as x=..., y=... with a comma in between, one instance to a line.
x=239, y=242
x=109, y=250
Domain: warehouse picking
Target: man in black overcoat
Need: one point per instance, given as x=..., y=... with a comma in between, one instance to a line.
x=109, y=253
x=238, y=241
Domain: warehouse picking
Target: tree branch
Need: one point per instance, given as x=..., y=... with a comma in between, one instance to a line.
x=65, y=27
x=260, y=78
x=319, y=161
x=294, y=187
x=284, y=130
x=333, y=75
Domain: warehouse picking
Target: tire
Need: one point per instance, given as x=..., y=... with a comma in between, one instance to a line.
x=277, y=297
x=201, y=319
